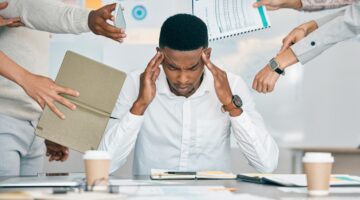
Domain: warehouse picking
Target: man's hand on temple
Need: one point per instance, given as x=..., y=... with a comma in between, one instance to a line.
x=221, y=83
x=147, y=85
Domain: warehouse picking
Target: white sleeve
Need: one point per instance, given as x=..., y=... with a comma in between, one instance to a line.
x=48, y=15
x=341, y=28
x=121, y=133
x=250, y=133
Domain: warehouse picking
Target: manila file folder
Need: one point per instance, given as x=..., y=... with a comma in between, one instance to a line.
x=99, y=87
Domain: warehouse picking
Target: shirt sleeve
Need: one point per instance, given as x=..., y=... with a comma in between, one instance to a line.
x=250, y=133
x=48, y=15
x=340, y=28
x=315, y=5
x=121, y=133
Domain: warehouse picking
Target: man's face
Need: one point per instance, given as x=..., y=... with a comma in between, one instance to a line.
x=184, y=69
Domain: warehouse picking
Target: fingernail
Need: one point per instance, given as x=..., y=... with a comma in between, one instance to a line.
x=62, y=116
x=74, y=107
x=77, y=93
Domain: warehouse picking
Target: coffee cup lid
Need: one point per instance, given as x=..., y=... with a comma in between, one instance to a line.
x=318, y=157
x=96, y=155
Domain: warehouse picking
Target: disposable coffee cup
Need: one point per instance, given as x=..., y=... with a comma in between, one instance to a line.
x=97, y=164
x=317, y=167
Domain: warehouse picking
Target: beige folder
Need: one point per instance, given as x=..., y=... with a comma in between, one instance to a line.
x=99, y=87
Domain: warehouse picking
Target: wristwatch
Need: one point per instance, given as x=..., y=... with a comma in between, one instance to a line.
x=275, y=67
x=236, y=103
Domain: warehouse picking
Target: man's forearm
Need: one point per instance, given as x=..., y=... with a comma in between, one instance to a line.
x=10, y=70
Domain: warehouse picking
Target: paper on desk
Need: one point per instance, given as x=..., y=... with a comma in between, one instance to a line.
x=332, y=190
x=131, y=182
x=203, y=197
x=174, y=190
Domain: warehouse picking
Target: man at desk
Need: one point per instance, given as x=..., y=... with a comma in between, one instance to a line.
x=180, y=116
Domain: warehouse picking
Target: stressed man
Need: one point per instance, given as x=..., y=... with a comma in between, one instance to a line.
x=179, y=112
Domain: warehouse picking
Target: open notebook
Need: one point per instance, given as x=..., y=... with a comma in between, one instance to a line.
x=99, y=87
x=161, y=174
x=297, y=180
x=226, y=18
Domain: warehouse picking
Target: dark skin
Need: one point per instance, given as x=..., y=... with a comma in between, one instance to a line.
x=99, y=26
x=183, y=70
x=56, y=151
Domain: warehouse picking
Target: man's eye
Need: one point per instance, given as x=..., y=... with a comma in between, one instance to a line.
x=171, y=68
x=194, y=68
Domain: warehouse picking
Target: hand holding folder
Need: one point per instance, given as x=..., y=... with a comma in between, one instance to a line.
x=99, y=86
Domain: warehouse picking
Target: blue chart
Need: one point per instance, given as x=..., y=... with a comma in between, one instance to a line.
x=139, y=12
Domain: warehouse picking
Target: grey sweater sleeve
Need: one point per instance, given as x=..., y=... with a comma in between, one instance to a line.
x=315, y=5
x=48, y=15
x=340, y=28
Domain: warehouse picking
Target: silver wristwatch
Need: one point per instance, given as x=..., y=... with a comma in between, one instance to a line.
x=275, y=67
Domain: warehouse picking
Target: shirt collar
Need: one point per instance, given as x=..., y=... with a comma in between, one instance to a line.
x=206, y=85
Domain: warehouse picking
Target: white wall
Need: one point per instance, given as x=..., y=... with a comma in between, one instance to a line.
x=313, y=105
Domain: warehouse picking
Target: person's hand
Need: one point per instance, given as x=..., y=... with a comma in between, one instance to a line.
x=10, y=22
x=221, y=83
x=56, y=151
x=265, y=80
x=297, y=34
x=45, y=92
x=277, y=4
x=98, y=23
x=147, y=85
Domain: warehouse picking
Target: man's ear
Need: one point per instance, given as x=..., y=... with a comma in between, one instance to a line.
x=207, y=52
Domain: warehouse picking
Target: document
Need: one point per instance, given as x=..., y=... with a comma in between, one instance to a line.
x=161, y=174
x=297, y=180
x=99, y=87
x=227, y=18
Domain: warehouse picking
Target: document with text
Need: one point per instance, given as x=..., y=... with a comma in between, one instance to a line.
x=227, y=18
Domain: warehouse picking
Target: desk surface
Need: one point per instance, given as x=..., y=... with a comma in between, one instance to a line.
x=242, y=187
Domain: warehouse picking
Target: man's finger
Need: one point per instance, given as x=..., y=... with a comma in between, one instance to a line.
x=208, y=64
x=152, y=62
x=107, y=10
x=55, y=110
x=254, y=85
x=65, y=102
x=65, y=90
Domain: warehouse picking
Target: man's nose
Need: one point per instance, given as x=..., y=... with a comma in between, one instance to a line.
x=183, y=78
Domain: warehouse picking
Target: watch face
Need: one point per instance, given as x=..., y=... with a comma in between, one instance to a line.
x=237, y=101
x=273, y=64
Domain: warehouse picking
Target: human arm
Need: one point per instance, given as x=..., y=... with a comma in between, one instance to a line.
x=331, y=30
x=248, y=127
x=42, y=89
x=57, y=17
x=121, y=133
x=305, y=5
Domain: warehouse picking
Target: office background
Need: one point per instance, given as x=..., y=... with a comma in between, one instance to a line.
x=315, y=105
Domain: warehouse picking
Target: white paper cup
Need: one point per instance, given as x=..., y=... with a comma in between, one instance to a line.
x=97, y=164
x=317, y=167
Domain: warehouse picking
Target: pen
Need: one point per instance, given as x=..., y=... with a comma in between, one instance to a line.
x=181, y=173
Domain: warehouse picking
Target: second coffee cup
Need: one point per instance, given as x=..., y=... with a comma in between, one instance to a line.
x=317, y=167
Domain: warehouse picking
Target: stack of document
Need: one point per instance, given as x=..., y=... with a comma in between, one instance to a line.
x=297, y=180
x=161, y=174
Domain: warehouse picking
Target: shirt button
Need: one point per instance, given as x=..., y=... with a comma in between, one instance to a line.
x=312, y=43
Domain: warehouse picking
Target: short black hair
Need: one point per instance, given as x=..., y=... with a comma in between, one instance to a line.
x=183, y=32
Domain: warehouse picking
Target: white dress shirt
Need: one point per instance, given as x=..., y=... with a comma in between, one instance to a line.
x=333, y=28
x=182, y=133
